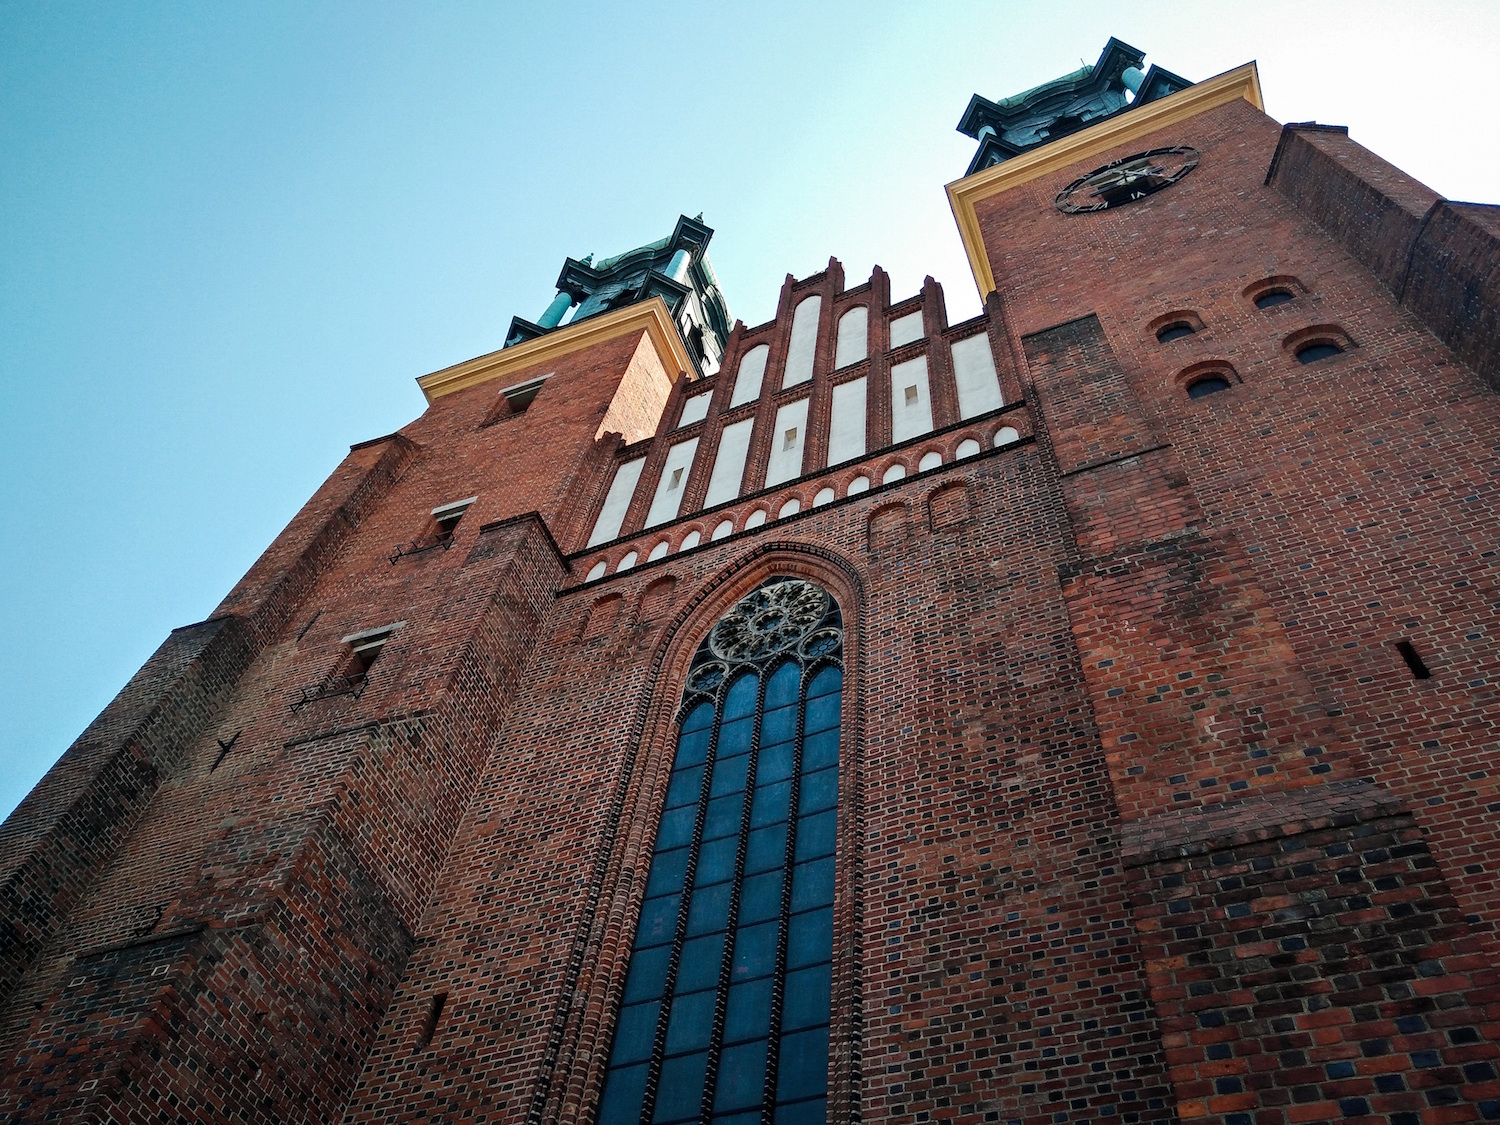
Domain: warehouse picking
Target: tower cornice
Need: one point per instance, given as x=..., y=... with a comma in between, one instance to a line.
x=1242, y=83
x=649, y=316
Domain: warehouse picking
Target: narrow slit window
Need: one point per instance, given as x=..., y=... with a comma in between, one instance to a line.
x=430, y=1022
x=728, y=995
x=1414, y=661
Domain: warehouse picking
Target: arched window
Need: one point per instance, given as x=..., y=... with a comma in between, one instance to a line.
x=1273, y=297
x=1321, y=349
x=1208, y=385
x=727, y=999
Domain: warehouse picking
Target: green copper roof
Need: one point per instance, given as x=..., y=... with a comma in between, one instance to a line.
x=1017, y=99
x=607, y=262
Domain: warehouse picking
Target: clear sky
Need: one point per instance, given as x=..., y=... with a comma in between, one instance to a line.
x=232, y=235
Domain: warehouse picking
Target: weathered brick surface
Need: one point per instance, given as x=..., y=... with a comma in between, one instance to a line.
x=1324, y=975
x=994, y=970
x=1142, y=814
x=1440, y=258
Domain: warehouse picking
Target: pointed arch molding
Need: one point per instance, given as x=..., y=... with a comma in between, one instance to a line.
x=572, y=1067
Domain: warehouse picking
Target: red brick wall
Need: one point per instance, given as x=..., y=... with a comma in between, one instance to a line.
x=1142, y=814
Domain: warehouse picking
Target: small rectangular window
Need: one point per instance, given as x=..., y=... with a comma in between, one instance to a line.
x=520, y=396
x=365, y=648
x=911, y=395
x=676, y=479
x=789, y=439
x=448, y=515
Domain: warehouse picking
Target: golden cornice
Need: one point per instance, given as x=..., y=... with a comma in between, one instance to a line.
x=1242, y=83
x=649, y=316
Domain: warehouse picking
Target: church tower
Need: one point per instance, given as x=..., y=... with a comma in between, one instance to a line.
x=1077, y=713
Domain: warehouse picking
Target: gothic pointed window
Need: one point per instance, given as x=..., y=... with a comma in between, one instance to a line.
x=726, y=1008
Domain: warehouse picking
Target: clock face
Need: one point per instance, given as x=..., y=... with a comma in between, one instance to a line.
x=1126, y=180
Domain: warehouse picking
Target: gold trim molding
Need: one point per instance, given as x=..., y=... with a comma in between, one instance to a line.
x=650, y=317
x=1242, y=83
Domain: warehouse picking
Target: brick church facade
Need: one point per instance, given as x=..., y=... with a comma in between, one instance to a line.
x=1086, y=712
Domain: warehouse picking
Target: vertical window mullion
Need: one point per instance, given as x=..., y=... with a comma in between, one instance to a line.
x=726, y=964
x=783, y=930
x=679, y=935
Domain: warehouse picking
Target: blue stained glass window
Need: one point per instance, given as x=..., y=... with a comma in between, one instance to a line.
x=732, y=964
x=776, y=763
x=771, y=803
x=636, y=1031
x=716, y=861
x=723, y=817
x=767, y=849
x=667, y=870
x=700, y=963
x=691, y=1024
x=813, y=1112
x=754, y=951
x=686, y=787
x=749, y=1014
x=621, y=1103
x=803, y=1069
x=807, y=992
x=658, y=921
x=742, y=1076
x=810, y=937
x=710, y=910
x=681, y=1092
x=760, y=897
x=815, y=835
x=778, y=726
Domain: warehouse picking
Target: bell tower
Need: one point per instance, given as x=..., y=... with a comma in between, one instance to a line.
x=1065, y=105
x=675, y=268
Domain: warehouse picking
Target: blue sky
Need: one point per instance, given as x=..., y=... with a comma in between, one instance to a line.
x=232, y=235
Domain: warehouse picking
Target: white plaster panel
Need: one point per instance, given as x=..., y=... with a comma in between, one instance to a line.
x=905, y=329
x=729, y=465
x=846, y=429
x=854, y=337
x=786, y=455
x=694, y=409
x=669, y=490
x=799, y=352
x=752, y=371
x=911, y=406
x=621, y=489
x=974, y=372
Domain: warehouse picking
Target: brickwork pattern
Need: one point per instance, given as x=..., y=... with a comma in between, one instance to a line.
x=1142, y=815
